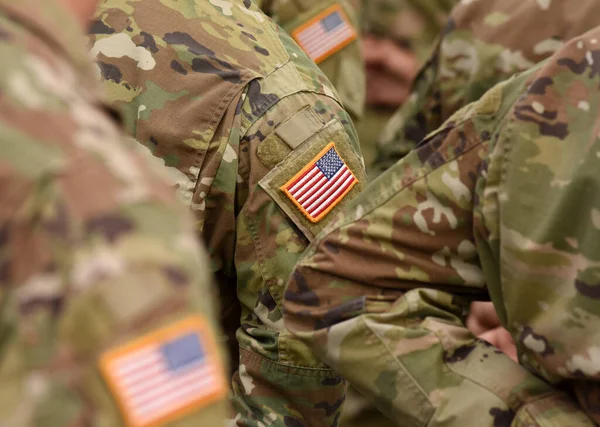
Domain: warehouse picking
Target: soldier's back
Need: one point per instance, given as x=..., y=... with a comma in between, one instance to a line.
x=99, y=269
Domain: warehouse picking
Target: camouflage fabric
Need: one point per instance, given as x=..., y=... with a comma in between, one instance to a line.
x=480, y=47
x=95, y=250
x=501, y=202
x=345, y=68
x=235, y=109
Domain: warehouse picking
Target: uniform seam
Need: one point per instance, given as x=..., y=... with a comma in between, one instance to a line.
x=261, y=255
x=306, y=369
x=217, y=117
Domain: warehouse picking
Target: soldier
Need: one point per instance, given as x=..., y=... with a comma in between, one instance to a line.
x=343, y=62
x=106, y=312
x=481, y=46
x=264, y=154
x=502, y=201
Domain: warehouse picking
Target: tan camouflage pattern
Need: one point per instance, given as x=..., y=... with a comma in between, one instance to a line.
x=95, y=249
x=501, y=202
x=226, y=99
x=345, y=68
x=484, y=43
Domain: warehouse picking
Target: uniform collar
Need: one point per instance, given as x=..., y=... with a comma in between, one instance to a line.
x=47, y=20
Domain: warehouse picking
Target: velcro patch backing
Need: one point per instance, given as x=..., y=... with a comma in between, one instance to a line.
x=325, y=34
x=299, y=127
x=165, y=374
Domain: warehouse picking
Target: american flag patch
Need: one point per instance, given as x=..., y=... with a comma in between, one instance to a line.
x=321, y=184
x=325, y=34
x=165, y=374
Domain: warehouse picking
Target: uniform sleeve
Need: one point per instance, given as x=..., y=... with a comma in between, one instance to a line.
x=105, y=292
x=279, y=379
x=387, y=286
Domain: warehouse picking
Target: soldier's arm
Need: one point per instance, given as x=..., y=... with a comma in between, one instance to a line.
x=107, y=314
x=383, y=293
x=280, y=380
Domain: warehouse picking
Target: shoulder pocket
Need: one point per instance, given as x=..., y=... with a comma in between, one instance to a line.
x=319, y=177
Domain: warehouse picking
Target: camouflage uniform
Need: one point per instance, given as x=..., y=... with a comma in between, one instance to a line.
x=235, y=109
x=502, y=202
x=95, y=250
x=345, y=68
x=480, y=47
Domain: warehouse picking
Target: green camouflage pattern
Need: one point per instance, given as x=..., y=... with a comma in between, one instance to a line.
x=232, y=106
x=345, y=68
x=95, y=249
x=501, y=202
x=480, y=47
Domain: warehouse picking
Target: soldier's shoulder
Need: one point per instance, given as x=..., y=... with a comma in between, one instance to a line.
x=286, y=66
x=235, y=34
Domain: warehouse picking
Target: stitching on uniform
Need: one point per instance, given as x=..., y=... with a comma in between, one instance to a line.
x=304, y=370
x=340, y=197
x=214, y=121
x=261, y=258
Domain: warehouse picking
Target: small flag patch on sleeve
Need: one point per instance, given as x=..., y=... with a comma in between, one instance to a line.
x=321, y=184
x=325, y=34
x=165, y=374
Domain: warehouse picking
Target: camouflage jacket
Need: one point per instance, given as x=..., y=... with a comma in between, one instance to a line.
x=480, y=47
x=238, y=112
x=343, y=64
x=98, y=260
x=501, y=202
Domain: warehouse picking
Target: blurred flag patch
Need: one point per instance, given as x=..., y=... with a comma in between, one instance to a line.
x=165, y=374
x=325, y=34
